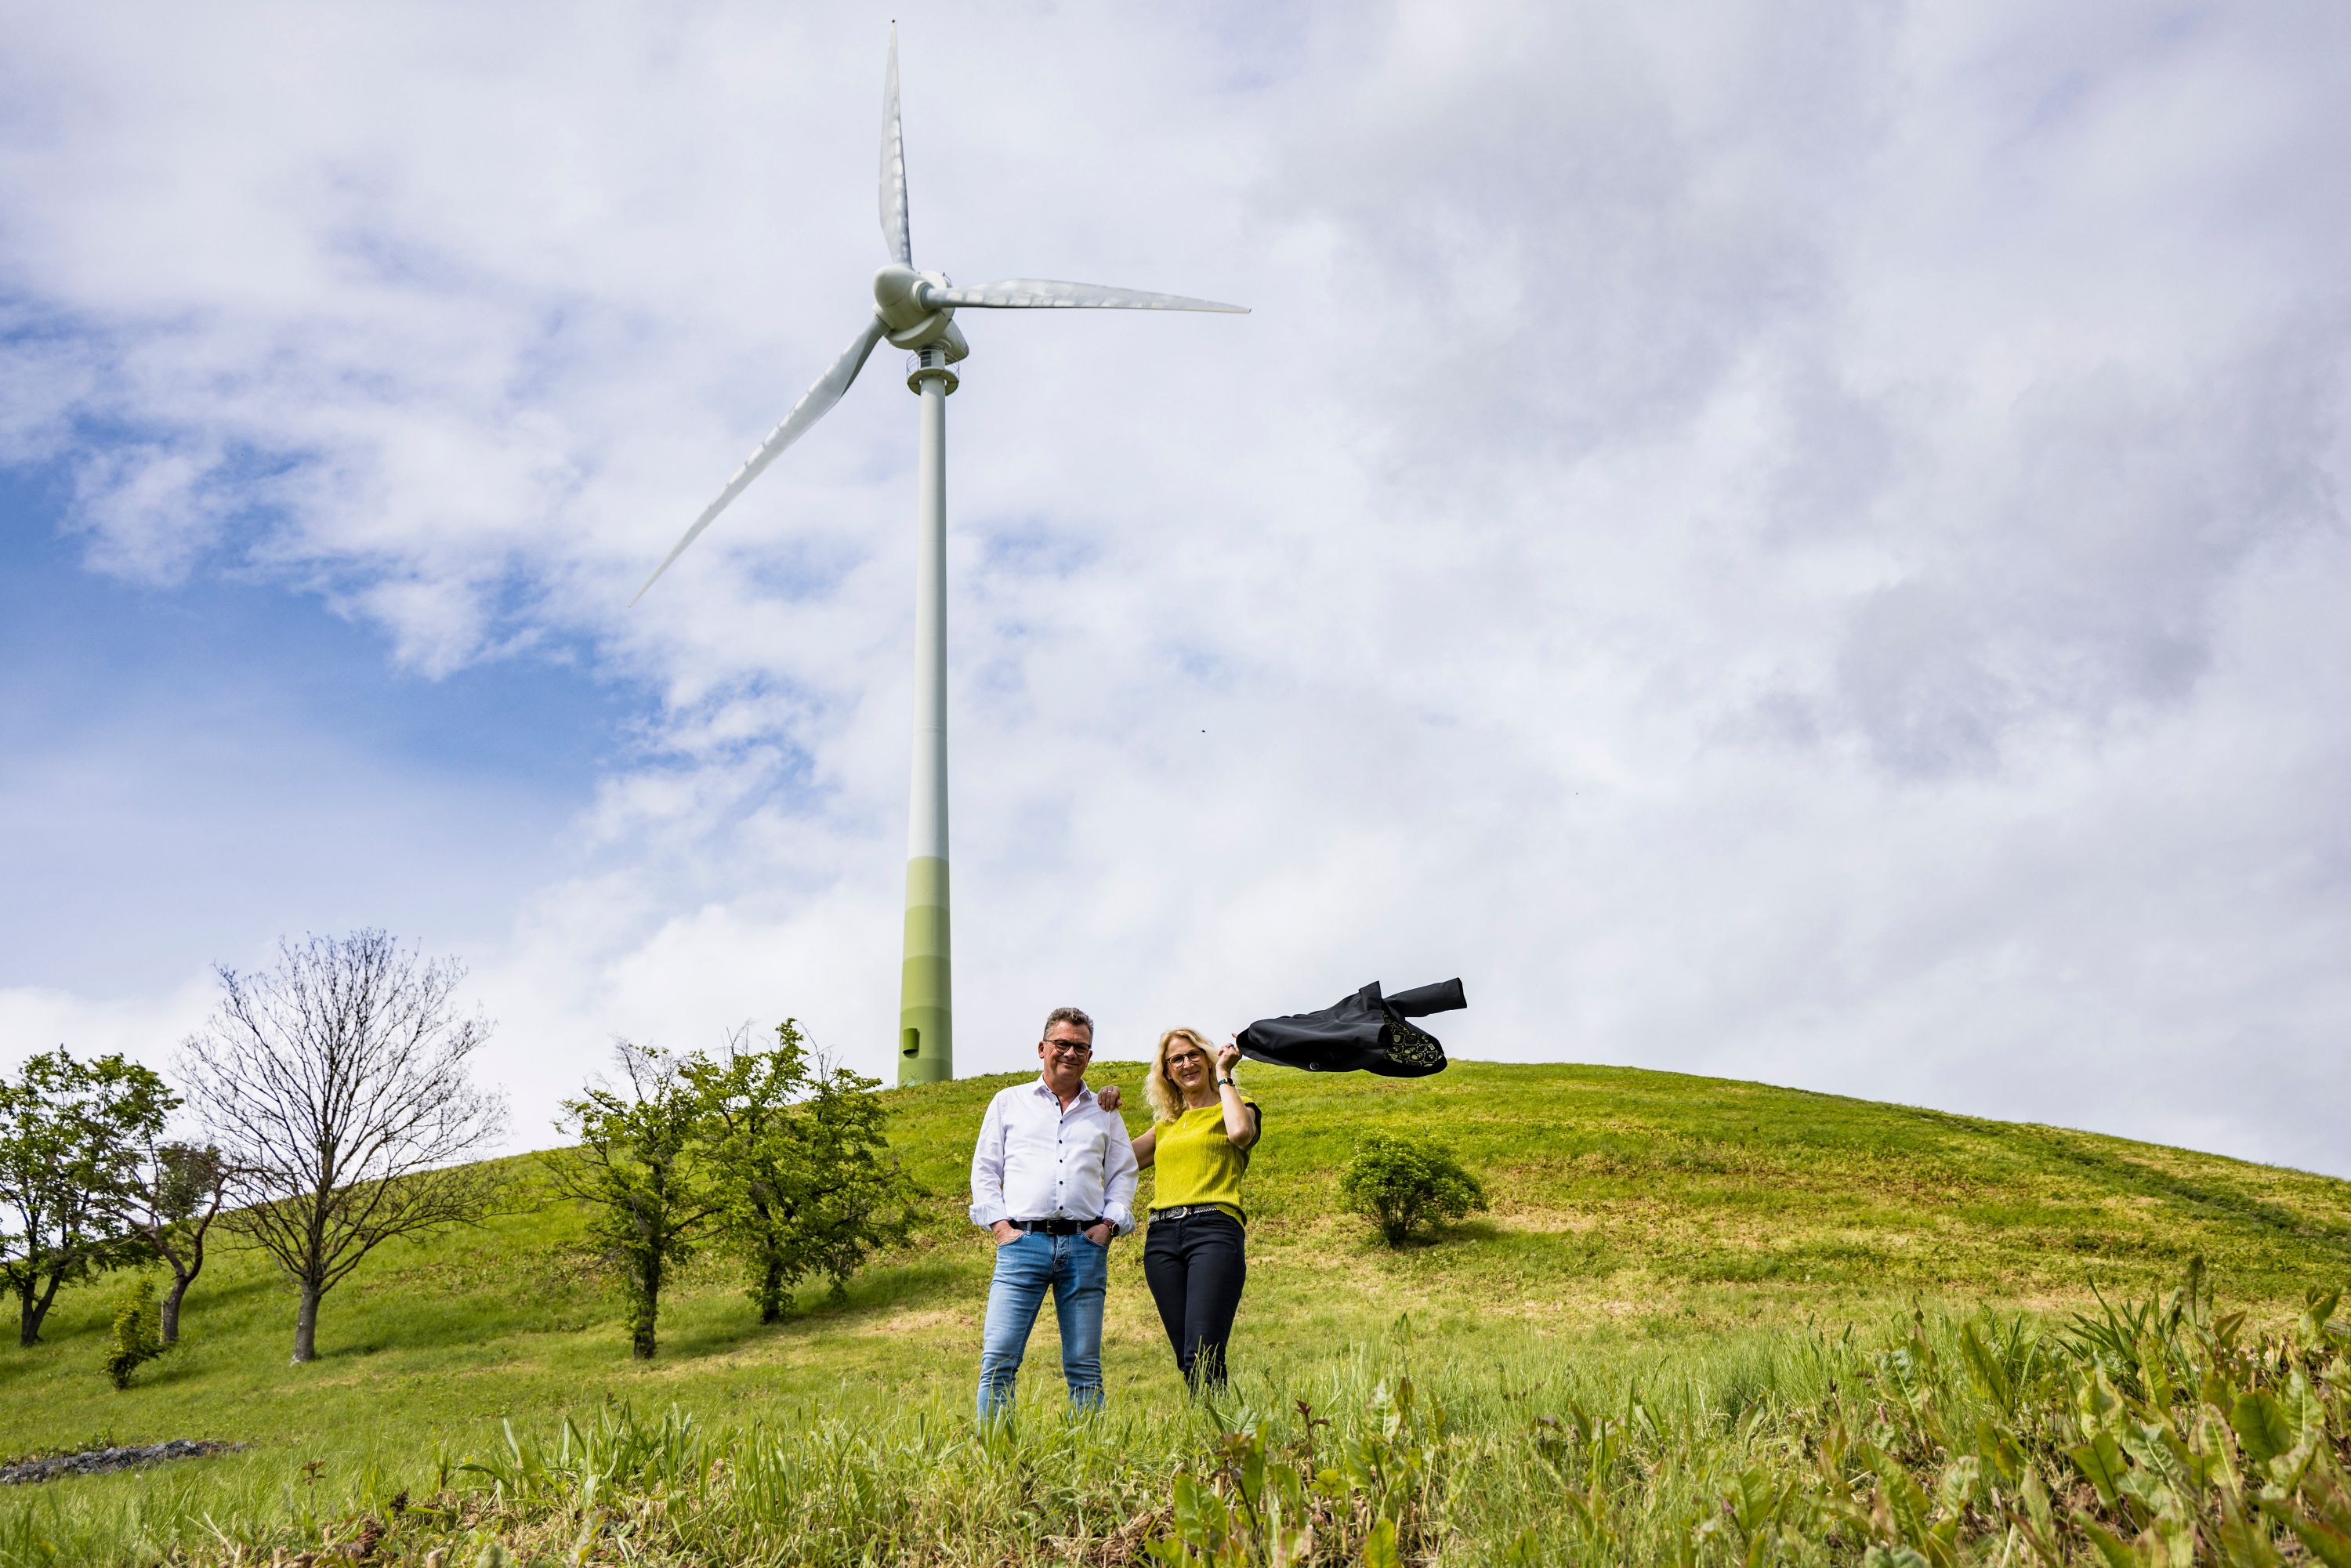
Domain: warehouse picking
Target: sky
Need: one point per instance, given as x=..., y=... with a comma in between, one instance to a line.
x=1798, y=544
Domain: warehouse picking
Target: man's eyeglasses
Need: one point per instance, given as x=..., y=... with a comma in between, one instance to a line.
x=1070, y=1047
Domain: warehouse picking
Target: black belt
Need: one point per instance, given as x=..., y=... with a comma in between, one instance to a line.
x=1055, y=1226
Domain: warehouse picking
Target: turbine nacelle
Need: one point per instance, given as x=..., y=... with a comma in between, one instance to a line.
x=911, y=317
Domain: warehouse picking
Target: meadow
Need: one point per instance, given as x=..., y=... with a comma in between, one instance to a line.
x=1693, y=1305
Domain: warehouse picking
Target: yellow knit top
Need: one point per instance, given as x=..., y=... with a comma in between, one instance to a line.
x=1197, y=1163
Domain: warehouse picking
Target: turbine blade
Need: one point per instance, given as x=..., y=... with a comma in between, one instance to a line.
x=1045, y=294
x=896, y=236
x=814, y=404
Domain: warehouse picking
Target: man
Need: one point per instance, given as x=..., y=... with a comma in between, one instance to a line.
x=1052, y=1177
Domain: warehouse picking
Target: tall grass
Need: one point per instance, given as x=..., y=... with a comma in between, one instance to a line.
x=2150, y=1431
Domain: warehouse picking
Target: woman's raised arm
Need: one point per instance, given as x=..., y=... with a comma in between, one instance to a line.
x=1240, y=1121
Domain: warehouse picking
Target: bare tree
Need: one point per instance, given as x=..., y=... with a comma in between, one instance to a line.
x=337, y=1085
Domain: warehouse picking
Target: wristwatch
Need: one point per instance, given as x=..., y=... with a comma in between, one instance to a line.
x=1227, y=1084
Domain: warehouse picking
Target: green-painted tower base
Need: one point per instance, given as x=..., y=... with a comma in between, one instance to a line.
x=926, y=1017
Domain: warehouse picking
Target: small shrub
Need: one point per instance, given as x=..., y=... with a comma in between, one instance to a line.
x=137, y=1333
x=1403, y=1183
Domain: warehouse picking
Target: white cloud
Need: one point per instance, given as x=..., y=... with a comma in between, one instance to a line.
x=1791, y=549
x=46, y=1018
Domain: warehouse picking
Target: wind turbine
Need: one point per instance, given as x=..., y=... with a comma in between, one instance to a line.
x=915, y=310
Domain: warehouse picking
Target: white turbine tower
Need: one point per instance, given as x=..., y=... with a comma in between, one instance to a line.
x=916, y=310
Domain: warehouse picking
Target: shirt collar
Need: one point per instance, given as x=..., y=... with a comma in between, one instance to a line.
x=1084, y=1096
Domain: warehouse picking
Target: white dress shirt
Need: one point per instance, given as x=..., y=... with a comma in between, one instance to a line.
x=1035, y=1160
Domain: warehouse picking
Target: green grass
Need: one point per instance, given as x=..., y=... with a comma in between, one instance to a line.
x=1648, y=1230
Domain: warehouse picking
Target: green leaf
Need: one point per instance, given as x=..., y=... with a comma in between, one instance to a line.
x=2157, y=1449
x=2304, y=1410
x=1905, y=1498
x=1380, y=1546
x=2000, y=1452
x=2097, y=1398
x=2036, y=1505
x=1187, y=1507
x=2259, y=1425
x=2331, y=1547
x=2244, y=1543
x=1990, y=1376
x=2111, y=1552
x=1216, y=1519
x=2318, y=1307
x=1962, y=1481
x=1253, y=1465
x=2100, y=1460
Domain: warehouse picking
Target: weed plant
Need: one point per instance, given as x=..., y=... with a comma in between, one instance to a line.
x=137, y=1336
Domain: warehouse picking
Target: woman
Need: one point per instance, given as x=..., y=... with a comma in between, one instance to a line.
x=1200, y=1136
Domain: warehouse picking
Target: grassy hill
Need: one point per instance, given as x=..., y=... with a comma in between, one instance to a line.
x=1646, y=1227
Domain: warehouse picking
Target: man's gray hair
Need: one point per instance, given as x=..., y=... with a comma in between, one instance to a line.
x=1068, y=1015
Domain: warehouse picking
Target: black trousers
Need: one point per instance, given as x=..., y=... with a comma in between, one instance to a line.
x=1196, y=1268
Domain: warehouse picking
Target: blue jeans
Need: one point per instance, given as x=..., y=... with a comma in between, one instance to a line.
x=1078, y=1273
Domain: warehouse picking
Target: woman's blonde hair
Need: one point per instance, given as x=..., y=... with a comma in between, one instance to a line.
x=1166, y=1099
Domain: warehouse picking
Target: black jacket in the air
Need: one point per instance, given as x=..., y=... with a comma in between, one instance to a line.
x=1366, y=1032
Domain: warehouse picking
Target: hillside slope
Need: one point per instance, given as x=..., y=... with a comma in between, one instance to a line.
x=1622, y=1194
x=1630, y=1210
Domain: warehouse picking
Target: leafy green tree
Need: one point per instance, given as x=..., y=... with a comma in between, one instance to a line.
x=858, y=1196
x=136, y=1340
x=1404, y=1184
x=70, y=1133
x=177, y=1193
x=642, y=1169
x=805, y=1182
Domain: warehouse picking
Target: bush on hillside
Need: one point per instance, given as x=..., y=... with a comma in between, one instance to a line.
x=138, y=1336
x=1402, y=1184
